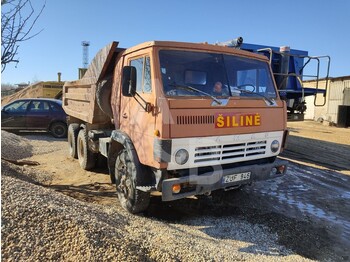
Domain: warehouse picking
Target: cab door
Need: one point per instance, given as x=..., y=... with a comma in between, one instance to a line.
x=38, y=115
x=135, y=120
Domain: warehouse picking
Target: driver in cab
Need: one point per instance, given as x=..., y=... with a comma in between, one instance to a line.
x=218, y=90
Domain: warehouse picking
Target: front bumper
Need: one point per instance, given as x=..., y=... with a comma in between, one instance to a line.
x=207, y=182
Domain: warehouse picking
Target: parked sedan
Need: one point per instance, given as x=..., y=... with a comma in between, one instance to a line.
x=35, y=114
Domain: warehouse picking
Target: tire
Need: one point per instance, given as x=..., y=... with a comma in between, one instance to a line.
x=126, y=175
x=58, y=129
x=86, y=158
x=73, y=131
x=103, y=96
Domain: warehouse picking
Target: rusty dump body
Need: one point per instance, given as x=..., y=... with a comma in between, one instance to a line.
x=203, y=117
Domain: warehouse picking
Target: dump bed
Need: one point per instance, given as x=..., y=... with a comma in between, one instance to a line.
x=79, y=97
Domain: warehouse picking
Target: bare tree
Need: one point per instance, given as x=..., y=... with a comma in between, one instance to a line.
x=18, y=18
x=7, y=86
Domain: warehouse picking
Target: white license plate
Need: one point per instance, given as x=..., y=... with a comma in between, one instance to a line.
x=236, y=177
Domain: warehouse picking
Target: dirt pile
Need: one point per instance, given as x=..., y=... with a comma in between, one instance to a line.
x=15, y=147
x=39, y=224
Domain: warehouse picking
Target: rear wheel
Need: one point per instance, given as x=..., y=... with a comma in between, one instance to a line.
x=73, y=131
x=85, y=157
x=58, y=130
x=126, y=175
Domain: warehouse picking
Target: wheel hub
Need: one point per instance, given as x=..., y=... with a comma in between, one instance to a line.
x=59, y=131
x=125, y=184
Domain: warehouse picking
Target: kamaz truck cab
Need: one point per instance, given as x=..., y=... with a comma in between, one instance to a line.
x=187, y=119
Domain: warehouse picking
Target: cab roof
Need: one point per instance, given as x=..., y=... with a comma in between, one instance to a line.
x=195, y=46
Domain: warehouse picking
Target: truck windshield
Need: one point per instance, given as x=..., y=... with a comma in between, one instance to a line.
x=216, y=75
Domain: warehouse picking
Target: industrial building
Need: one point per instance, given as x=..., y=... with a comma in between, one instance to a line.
x=333, y=107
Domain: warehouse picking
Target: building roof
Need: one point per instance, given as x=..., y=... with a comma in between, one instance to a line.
x=338, y=78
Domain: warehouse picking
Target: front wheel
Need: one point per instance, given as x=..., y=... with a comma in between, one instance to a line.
x=126, y=174
x=58, y=130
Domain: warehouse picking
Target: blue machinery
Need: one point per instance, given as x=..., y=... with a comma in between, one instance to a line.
x=289, y=67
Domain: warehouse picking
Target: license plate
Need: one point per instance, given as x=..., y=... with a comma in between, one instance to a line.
x=236, y=177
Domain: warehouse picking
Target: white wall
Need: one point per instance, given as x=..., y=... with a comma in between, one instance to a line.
x=336, y=95
x=310, y=108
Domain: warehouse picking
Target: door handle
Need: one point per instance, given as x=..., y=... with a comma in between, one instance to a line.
x=125, y=115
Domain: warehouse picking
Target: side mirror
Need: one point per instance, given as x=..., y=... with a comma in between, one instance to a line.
x=129, y=81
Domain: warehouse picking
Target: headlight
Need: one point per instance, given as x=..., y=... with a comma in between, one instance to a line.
x=181, y=156
x=275, y=145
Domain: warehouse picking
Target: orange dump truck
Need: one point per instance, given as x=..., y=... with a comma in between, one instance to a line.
x=183, y=119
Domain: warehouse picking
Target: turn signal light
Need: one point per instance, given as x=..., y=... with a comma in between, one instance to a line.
x=156, y=132
x=176, y=188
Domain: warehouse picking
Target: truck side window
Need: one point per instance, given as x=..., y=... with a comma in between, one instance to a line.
x=143, y=75
x=138, y=63
x=147, y=84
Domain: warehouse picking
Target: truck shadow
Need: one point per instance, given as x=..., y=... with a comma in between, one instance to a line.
x=92, y=193
x=326, y=154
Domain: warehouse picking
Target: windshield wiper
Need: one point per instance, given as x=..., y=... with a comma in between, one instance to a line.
x=186, y=87
x=254, y=93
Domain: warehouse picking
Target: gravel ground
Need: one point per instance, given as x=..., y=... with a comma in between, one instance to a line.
x=39, y=223
x=15, y=147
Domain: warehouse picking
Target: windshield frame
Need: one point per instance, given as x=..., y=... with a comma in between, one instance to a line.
x=226, y=82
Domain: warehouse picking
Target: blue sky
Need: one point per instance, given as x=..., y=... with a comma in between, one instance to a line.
x=319, y=27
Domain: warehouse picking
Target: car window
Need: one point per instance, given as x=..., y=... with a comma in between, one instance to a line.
x=20, y=106
x=39, y=106
x=55, y=107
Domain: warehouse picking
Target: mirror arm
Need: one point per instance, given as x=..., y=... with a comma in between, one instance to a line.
x=146, y=106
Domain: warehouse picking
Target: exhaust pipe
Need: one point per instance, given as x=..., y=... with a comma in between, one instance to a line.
x=235, y=43
x=284, y=68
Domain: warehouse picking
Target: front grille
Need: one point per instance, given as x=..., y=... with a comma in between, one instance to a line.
x=194, y=120
x=229, y=151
